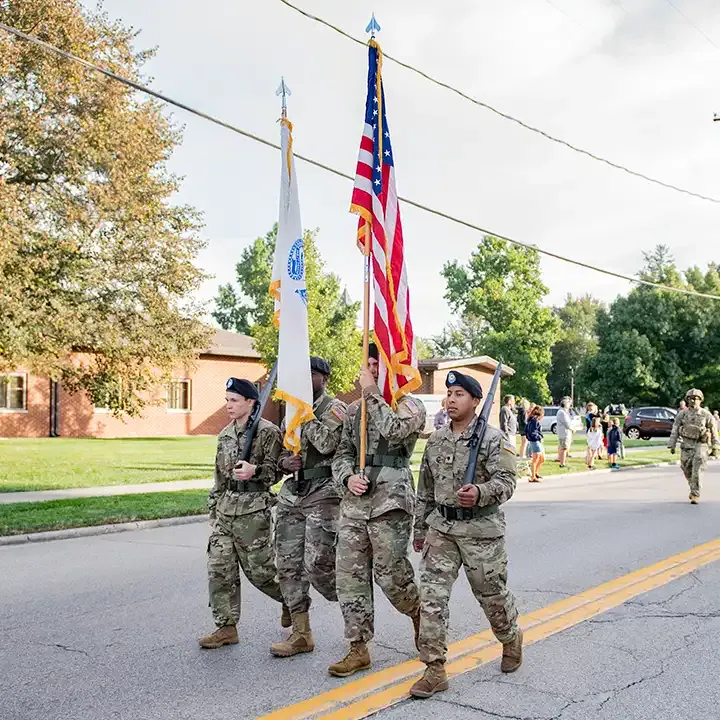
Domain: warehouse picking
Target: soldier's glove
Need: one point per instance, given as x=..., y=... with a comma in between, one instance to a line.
x=672, y=451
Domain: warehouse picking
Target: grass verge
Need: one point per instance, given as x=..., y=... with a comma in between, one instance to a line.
x=58, y=463
x=20, y=518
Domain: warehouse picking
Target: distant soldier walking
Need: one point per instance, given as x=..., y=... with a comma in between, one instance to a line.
x=696, y=429
x=462, y=525
x=240, y=504
x=307, y=514
x=376, y=515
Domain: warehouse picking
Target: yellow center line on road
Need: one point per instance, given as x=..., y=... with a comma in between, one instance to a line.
x=369, y=694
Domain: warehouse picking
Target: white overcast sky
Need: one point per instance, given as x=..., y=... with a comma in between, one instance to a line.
x=627, y=79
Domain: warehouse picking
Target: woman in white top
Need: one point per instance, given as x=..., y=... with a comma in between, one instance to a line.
x=594, y=441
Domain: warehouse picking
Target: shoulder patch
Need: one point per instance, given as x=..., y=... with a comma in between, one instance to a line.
x=339, y=412
x=507, y=446
x=412, y=403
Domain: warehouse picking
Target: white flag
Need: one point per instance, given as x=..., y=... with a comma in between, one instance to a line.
x=294, y=385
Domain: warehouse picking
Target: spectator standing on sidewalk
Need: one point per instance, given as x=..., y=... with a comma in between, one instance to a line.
x=564, y=431
x=534, y=435
x=594, y=438
x=614, y=440
x=522, y=418
x=508, y=421
x=441, y=417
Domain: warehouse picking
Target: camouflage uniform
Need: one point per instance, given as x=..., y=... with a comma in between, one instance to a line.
x=477, y=543
x=696, y=429
x=308, y=511
x=375, y=528
x=243, y=525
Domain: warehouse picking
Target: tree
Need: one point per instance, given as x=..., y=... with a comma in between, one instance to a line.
x=498, y=295
x=654, y=344
x=93, y=254
x=331, y=319
x=577, y=344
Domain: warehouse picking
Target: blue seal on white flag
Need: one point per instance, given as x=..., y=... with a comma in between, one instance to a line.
x=296, y=260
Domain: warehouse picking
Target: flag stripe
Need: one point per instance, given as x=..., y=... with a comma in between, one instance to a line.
x=375, y=199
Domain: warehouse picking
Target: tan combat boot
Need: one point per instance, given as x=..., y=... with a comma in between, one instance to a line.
x=301, y=640
x=226, y=635
x=512, y=654
x=286, y=617
x=433, y=681
x=694, y=499
x=357, y=659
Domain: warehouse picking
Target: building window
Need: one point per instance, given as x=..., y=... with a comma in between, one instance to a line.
x=111, y=393
x=179, y=395
x=13, y=392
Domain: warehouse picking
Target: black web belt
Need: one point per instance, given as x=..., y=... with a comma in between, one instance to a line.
x=453, y=512
x=245, y=486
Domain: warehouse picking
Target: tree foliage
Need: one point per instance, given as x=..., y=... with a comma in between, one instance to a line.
x=654, y=344
x=498, y=295
x=331, y=320
x=93, y=254
x=577, y=344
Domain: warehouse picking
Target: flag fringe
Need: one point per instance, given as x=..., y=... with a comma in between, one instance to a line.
x=303, y=413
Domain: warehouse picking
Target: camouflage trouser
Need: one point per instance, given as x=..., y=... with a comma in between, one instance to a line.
x=305, y=541
x=693, y=460
x=379, y=545
x=246, y=540
x=485, y=563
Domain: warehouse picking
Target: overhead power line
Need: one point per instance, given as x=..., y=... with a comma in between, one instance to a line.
x=690, y=22
x=413, y=203
x=506, y=116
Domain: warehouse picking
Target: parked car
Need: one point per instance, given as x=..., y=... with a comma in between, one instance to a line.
x=615, y=409
x=647, y=422
x=549, y=421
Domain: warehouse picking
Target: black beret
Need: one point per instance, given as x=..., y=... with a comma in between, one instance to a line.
x=320, y=365
x=467, y=382
x=373, y=351
x=242, y=387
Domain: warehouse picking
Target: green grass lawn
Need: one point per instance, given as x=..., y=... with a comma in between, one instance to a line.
x=23, y=518
x=52, y=463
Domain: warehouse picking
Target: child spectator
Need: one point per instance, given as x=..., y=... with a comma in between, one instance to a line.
x=534, y=435
x=594, y=438
x=614, y=439
x=605, y=424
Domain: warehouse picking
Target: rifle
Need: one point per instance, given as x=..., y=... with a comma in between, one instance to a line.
x=257, y=411
x=480, y=426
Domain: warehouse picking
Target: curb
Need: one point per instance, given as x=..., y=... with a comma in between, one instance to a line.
x=606, y=471
x=99, y=530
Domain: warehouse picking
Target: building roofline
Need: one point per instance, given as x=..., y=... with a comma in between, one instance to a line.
x=450, y=363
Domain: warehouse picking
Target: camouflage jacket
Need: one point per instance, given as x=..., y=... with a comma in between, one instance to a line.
x=264, y=453
x=323, y=434
x=442, y=473
x=393, y=487
x=694, y=426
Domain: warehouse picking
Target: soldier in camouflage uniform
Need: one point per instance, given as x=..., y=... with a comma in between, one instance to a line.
x=376, y=515
x=307, y=514
x=696, y=429
x=460, y=525
x=240, y=503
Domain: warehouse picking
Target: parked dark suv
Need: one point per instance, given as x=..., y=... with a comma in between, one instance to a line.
x=647, y=422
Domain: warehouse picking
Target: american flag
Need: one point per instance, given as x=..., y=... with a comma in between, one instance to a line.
x=375, y=200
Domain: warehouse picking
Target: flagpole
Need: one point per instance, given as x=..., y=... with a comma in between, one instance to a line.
x=366, y=350
x=372, y=28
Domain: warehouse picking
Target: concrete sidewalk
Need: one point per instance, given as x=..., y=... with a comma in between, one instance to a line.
x=103, y=491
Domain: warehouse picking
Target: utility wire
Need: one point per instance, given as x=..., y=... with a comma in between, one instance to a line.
x=505, y=115
x=438, y=213
x=683, y=15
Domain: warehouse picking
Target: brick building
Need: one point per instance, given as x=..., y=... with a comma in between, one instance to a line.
x=192, y=404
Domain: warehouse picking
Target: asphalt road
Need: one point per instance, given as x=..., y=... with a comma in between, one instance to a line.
x=107, y=627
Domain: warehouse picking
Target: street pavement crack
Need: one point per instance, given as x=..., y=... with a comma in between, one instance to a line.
x=66, y=648
x=404, y=653
x=503, y=716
